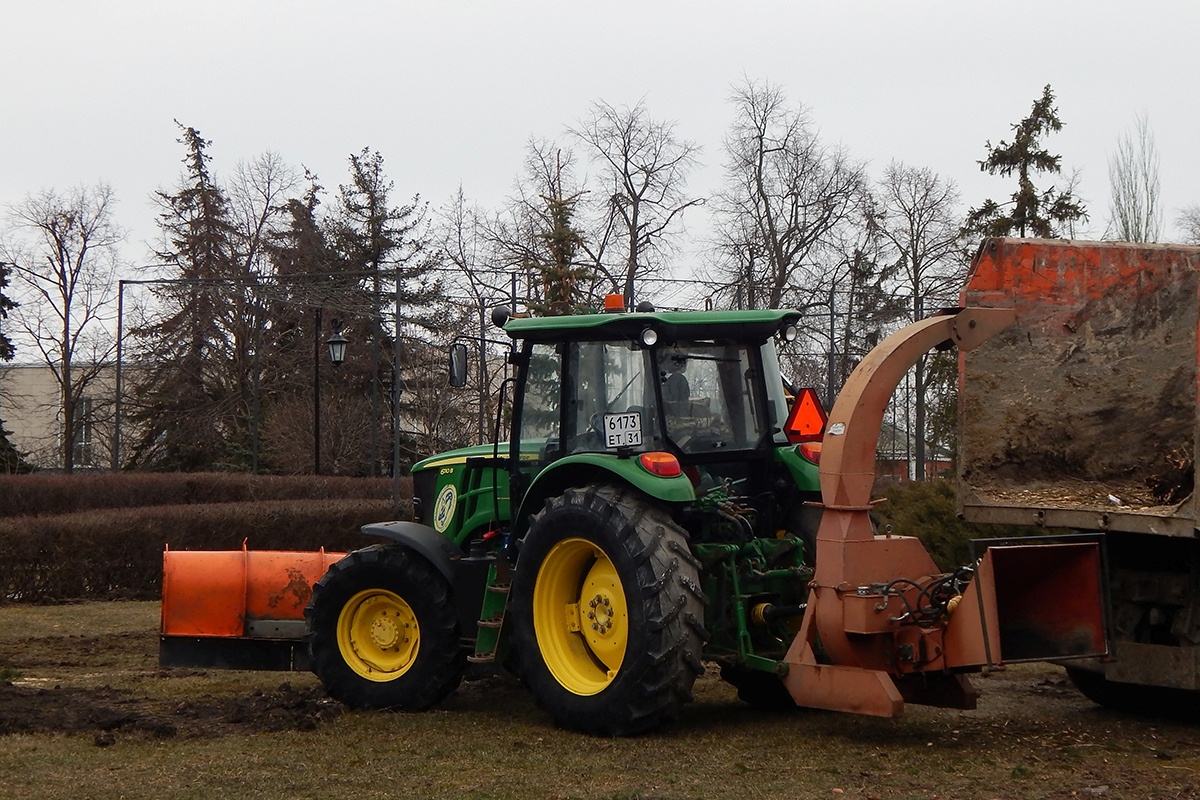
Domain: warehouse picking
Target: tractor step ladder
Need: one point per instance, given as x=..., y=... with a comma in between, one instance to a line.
x=491, y=617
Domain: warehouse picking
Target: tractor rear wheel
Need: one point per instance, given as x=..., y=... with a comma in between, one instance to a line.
x=608, y=612
x=382, y=631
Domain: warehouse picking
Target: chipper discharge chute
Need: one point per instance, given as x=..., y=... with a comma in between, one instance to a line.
x=883, y=625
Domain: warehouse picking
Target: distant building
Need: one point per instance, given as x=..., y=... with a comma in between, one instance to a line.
x=893, y=458
x=31, y=408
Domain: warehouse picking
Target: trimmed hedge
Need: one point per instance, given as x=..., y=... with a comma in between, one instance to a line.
x=65, y=537
x=118, y=553
x=62, y=494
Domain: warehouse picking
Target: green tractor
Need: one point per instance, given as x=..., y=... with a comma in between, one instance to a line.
x=654, y=507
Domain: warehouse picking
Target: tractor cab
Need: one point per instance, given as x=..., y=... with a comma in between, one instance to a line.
x=636, y=398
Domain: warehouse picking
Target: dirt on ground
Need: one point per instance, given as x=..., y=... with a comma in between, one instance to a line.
x=86, y=712
x=106, y=712
x=65, y=684
x=56, y=684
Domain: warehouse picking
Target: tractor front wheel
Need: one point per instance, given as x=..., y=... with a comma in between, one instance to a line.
x=608, y=612
x=383, y=632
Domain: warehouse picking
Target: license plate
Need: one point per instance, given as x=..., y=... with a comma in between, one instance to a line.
x=623, y=430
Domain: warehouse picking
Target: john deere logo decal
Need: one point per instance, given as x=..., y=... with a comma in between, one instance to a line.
x=443, y=509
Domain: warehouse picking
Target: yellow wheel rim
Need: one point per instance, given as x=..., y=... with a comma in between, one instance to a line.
x=580, y=616
x=378, y=636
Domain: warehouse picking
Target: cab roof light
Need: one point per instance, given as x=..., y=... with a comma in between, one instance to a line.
x=614, y=303
x=664, y=465
x=806, y=422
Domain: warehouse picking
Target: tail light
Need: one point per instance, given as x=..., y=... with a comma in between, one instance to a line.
x=664, y=465
x=811, y=451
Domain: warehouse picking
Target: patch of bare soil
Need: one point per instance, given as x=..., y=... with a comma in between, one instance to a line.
x=106, y=712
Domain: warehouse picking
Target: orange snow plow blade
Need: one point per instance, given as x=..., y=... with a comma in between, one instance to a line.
x=237, y=609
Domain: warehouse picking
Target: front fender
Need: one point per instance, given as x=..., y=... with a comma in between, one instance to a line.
x=596, y=469
x=437, y=549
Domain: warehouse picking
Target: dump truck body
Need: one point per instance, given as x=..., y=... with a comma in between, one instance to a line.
x=1082, y=415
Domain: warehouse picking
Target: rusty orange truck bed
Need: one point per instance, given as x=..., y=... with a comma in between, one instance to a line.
x=1083, y=414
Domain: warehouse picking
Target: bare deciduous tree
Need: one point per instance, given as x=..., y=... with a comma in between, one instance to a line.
x=786, y=193
x=65, y=258
x=1134, y=213
x=469, y=243
x=645, y=173
x=258, y=193
x=918, y=217
x=1189, y=221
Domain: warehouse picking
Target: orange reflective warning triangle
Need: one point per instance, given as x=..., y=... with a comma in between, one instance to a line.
x=806, y=423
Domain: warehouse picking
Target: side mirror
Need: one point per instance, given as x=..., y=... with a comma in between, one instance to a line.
x=458, y=364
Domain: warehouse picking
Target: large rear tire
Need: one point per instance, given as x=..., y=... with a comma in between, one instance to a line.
x=608, y=612
x=383, y=632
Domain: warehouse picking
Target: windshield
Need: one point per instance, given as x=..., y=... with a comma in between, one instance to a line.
x=693, y=397
x=709, y=396
x=612, y=406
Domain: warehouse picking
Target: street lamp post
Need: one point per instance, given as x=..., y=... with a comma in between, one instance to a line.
x=336, y=345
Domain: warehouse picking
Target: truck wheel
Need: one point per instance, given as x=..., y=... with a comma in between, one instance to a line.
x=608, y=612
x=382, y=631
x=1133, y=698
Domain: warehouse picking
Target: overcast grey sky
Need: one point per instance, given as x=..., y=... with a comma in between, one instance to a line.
x=450, y=92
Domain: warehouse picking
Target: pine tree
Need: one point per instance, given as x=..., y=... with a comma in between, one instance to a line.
x=1045, y=213
x=189, y=413
x=388, y=245
x=10, y=458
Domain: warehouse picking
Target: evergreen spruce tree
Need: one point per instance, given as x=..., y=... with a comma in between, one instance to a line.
x=189, y=411
x=10, y=459
x=307, y=270
x=1045, y=214
x=306, y=267
x=563, y=279
x=388, y=246
x=6, y=346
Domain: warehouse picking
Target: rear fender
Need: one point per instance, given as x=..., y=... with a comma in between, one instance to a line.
x=598, y=469
x=437, y=549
